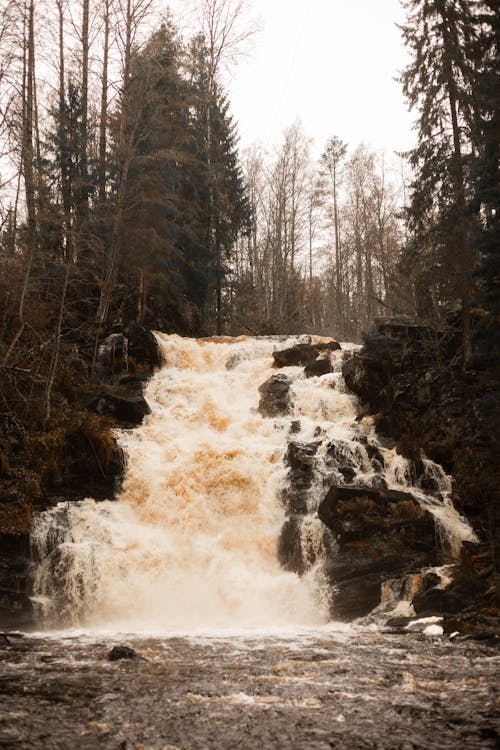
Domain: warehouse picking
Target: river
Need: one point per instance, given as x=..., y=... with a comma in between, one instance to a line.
x=313, y=689
x=232, y=651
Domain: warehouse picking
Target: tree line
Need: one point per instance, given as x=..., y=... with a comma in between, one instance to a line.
x=123, y=190
x=453, y=251
x=125, y=198
x=324, y=243
x=335, y=243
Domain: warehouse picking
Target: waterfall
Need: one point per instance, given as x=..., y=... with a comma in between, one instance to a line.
x=192, y=540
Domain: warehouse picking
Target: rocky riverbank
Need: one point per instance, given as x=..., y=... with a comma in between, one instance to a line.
x=72, y=456
x=370, y=517
x=377, y=522
x=411, y=378
x=341, y=689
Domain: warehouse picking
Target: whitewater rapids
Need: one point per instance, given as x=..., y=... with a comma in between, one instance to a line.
x=191, y=543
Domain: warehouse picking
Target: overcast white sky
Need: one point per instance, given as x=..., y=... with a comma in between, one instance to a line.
x=329, y=63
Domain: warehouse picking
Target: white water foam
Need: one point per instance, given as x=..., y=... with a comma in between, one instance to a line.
x=191, y=544
x=192, y=541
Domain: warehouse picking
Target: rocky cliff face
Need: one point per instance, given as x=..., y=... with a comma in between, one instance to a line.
x=75, y=456
x=411, y=378
x=354, y=507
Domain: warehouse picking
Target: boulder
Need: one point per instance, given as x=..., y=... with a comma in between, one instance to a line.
x=354, y=372
x=122, y=652
x=143, y=352
x=289, y=546
x=434, y=601
x=352, y=512
x=381, y=534
x=303, y=354
x=275, y=396
x=120, y=403
x=16, y=608
x=374, y=452
x=300, y=457
x=130, y=348
x=320, y=366
x=344, y=458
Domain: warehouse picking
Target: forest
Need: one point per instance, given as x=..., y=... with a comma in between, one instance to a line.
x=126, y=201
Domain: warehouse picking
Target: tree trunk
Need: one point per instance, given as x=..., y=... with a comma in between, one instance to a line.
x=83, y=203
x=464, y=255
x=338, y=263
x=103, y=115
x=28, y=113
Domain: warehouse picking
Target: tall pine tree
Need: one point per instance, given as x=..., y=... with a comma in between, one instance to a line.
x=486, y=198
x=438, y=83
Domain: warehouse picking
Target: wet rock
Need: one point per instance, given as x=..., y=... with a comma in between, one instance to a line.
x=300, y=457
x=133, y=381
x=398, y=623
x=412, y=379
x=233, y=361
x=381, y=534
x=355, y=375
x=302, y=543
x=16, y=608
x=470, y=603
x=321, y=366
x=350, y=511
x=379, y=482
x=435, y=601
x=92, y=463
x=429, y=580
x=117, y=402
x=129, y=348
x=112, y=355
x=353, y=596
x=343, y=458
x=275, y=396
x=122, y=652
x=375, y=454
x=143, y=352
x=303, y=354
x=289, y=546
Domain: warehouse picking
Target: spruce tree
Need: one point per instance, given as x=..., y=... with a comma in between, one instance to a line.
x=227, y=208
x=157, y=120
x=486, y=182
x=438, y=83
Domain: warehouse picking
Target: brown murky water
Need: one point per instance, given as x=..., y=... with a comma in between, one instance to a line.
x=328, y=688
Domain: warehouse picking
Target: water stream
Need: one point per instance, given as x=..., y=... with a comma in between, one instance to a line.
x=192, y=541
x=233, y=651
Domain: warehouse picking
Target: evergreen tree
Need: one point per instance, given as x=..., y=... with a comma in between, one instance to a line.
x=227, y=210
x=65, y=166
x=486, y=200
x=152, y=248
x=438, y=82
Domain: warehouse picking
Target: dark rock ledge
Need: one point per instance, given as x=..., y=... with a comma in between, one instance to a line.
x=381, y=535
x=79, y=458
x=411, y=378
x=303, y=354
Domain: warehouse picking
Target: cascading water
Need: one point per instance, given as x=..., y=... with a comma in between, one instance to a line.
x=192, y=541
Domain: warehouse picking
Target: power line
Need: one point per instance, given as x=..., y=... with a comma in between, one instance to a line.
x=291, y=68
